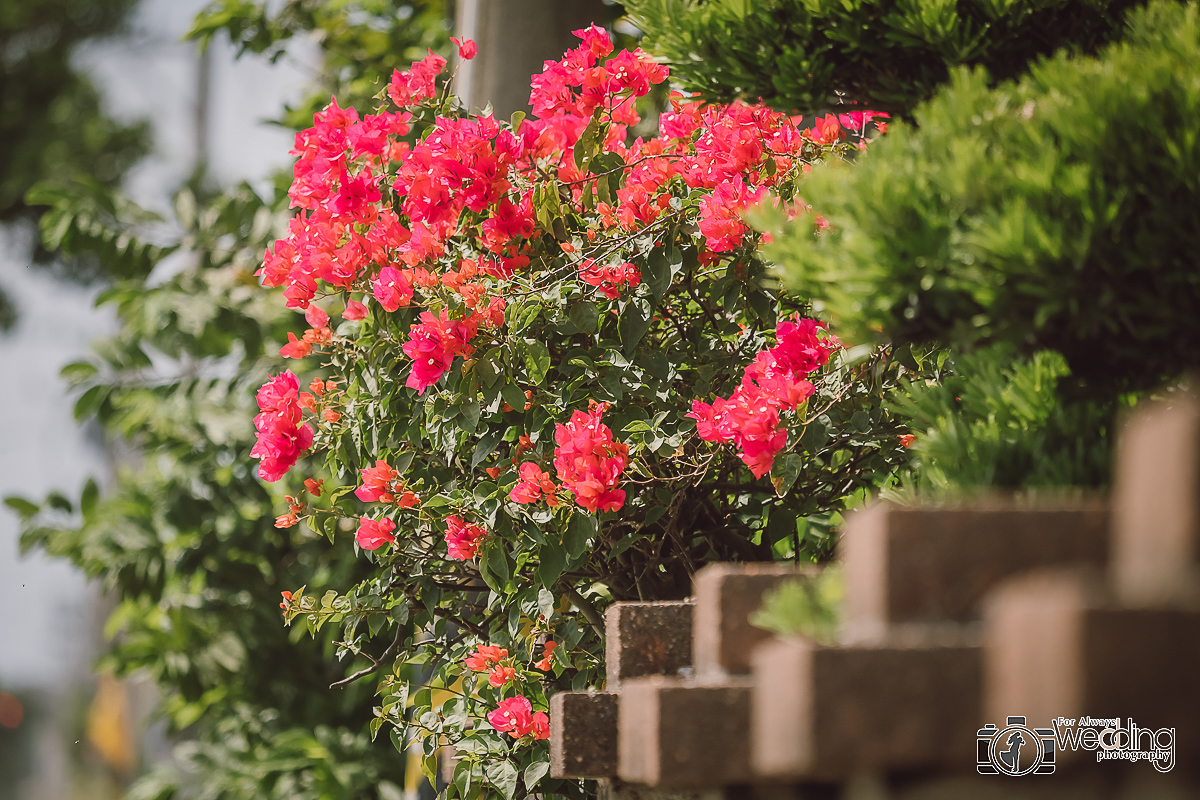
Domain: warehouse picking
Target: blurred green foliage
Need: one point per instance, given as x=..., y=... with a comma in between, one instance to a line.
x=808, y=606
x=185, y=537
x=361, y=41
x=53, y=125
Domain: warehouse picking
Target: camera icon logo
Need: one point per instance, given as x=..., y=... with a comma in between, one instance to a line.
x=1014, y=750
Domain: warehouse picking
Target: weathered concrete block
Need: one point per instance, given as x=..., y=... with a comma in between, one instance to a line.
x=726, y=595
x=583, y=735
x=676, y=734
x=647, y=639
x=829, y=712
x=927, y=565
x=1057, y=646
x=1156, y=502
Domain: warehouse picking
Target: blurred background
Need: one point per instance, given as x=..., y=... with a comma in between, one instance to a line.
x=159, y=109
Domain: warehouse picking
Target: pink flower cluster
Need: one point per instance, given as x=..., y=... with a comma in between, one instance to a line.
x=516, y=717
x=589, y=462
x=433, y=343
x=462, y=539
x=532, y=485
x=609, y=278
x=281, y=437
x=774, y=383
x=488, y=658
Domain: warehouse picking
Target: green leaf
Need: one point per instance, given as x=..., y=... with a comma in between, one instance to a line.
x=516, y=119
x=513, y=395
x=537, y=362
x=546, y=603
x=634, y=322
x=22, y=506
x=486, y=446
x=657, y=273
x=490, y=367
x=535, y=772
x=785, y=471
x=90, y=401
x=585, y=316
x=87, y=501
x=78, y=371
x=580, y=529
x=553, y=561
x=503, y=776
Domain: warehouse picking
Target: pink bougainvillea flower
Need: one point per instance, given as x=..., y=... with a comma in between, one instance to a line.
x=773, y=383
x=498, y=676
x=392, y=289
x=355, y=311
x=462, y=539
x=374, y=533
x=295, y=348
x=466, y=48
x=281, y=438
x=515, y=716
x=377, y=483
x=589, y=461
x=315, y=317
x=433, y=344
x=546, y=664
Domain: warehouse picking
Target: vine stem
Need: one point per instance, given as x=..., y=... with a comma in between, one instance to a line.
x=376, y=663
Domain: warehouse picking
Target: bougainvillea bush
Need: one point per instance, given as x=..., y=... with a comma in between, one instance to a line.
x=542, y=369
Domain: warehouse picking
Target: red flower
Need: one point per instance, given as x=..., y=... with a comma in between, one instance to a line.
x=281, y=437
x=589, y=461
x=515, y=717
x=462, y=540
x=907, y=439
x=392, y=289
x=466, y=48
x=484, y=657
x=501, y=675
x=373, y=534
x=377, y=482
x=295, y=348
x=545, y=664
x=354, y=310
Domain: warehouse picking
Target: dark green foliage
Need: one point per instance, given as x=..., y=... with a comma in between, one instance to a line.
x=812, y=55
x=1055, y=213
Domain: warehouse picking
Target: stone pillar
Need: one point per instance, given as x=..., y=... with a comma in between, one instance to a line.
x=514, y=38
